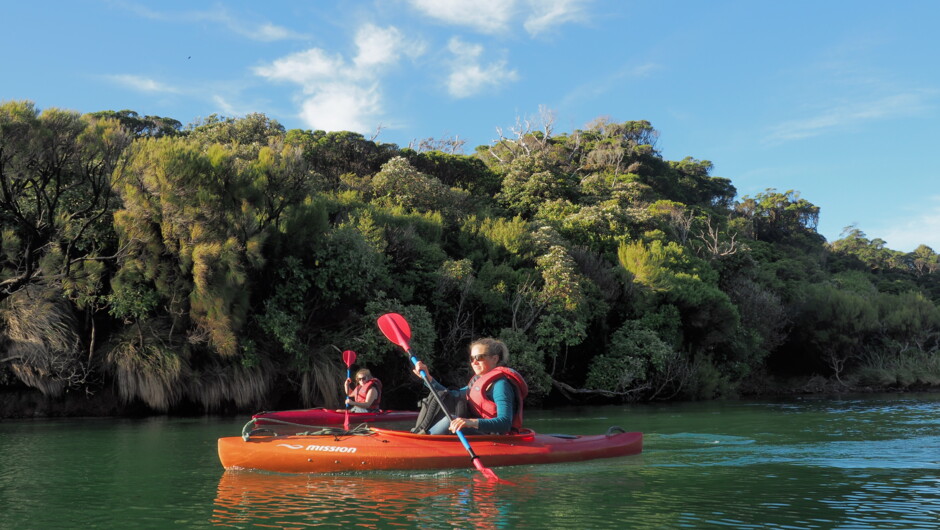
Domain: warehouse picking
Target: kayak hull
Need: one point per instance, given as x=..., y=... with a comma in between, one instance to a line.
x=384, y=449
x=323, y=416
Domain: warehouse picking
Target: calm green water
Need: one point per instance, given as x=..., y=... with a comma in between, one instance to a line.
x=866, y=462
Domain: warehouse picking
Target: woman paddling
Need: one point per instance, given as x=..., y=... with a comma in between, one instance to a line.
x=493, y=396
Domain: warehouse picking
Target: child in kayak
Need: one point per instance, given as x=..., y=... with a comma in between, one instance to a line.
x=365, y=394
x=491, y=403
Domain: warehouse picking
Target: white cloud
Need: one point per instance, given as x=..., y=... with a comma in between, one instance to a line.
x=378, y=47
x=269, y=32
x=225, y=108
x=142, y=84
x=547, y=14
x=849, y=115
x=337, y=94
x=497, y=16
x=468, y=77
x=305, y=68
x=343, y=107
x=485, y=16
x=909, y=233
x=265, y=31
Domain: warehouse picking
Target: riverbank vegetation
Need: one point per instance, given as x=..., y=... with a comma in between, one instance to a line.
x=225, y=265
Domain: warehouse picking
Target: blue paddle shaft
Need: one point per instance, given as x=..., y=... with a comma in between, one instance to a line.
x=414, y=361
x=466, y=445
x=427, y=382
x=460, y=435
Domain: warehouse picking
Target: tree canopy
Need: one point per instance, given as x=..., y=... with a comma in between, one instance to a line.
x=228, y=262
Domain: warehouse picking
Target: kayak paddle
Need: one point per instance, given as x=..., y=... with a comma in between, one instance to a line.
x=349, y=357
x=396, y=329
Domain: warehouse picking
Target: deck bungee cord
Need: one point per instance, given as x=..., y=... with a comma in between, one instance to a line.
x=250, y=430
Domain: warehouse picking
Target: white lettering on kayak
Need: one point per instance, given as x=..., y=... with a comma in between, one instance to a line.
x=331, y=449
x=324, y=448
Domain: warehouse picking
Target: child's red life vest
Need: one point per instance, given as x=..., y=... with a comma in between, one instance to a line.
x=361, y=392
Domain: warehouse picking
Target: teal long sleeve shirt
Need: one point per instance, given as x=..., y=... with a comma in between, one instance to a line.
x=502, y=393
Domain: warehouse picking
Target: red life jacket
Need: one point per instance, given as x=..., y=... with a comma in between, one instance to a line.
x=361, y=392
x=484, y=406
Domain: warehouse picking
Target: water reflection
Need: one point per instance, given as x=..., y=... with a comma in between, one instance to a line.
x=370, y=501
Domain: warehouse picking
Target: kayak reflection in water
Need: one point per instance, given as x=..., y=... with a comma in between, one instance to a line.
x=429, y=500
x=366, y=394
x=491, y=403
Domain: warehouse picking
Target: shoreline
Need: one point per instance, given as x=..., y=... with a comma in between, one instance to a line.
x=19, y=404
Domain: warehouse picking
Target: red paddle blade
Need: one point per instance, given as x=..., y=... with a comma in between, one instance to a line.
x=349, y=357
x=487, y=472
x=396, y=329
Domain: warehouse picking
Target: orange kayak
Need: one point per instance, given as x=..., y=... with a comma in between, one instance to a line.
x=383, y=449
x=323, y=416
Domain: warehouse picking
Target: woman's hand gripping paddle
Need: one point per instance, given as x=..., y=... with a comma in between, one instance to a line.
x=396, y=329
x=349, y=357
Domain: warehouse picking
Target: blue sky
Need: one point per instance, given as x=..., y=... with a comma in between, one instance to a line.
x=836, y=99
